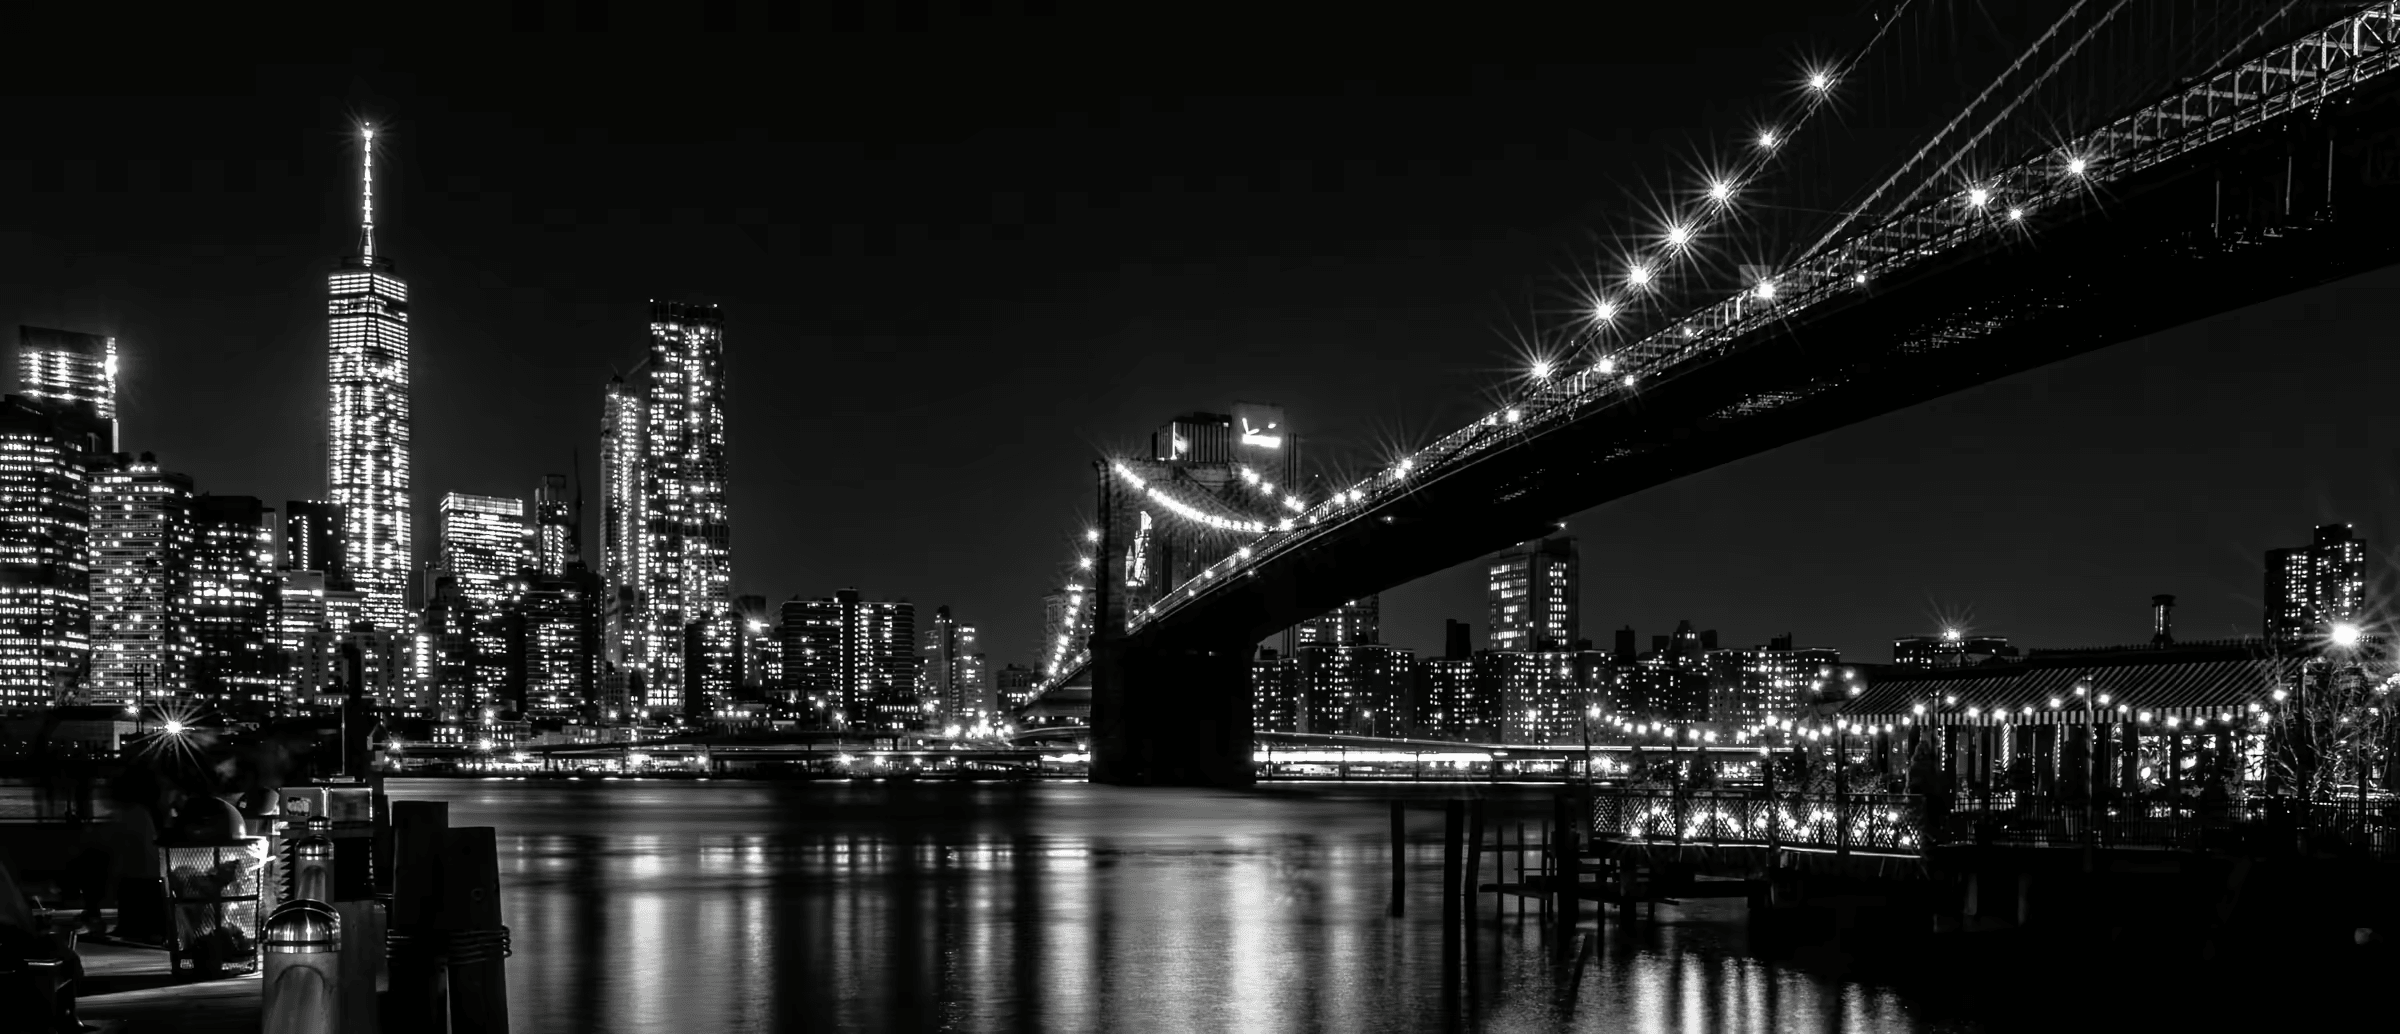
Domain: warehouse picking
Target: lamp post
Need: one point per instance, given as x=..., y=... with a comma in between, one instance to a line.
x=1591, y=714
x=2346, y=638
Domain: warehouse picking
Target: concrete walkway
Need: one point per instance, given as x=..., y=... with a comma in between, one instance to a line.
x=128, y=990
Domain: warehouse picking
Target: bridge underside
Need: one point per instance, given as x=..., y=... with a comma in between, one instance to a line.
x=2305, y=199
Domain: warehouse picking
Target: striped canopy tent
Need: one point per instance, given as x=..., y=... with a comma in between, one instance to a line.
x=2203, y=689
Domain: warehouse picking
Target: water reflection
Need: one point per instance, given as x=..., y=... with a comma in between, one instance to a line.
x=1061, y=907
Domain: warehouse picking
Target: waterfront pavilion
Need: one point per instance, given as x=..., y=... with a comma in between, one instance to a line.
x=2080, y=725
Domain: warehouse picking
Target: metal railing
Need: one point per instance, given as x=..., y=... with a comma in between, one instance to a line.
x=1913, y=823
x=1860, y=821
x=46, y=803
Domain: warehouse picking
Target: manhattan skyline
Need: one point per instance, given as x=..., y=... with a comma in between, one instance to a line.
x=915, y=411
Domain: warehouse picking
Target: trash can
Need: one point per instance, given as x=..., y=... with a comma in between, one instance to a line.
x=214, y=881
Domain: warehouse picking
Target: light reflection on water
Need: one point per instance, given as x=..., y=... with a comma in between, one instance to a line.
x=732, y=906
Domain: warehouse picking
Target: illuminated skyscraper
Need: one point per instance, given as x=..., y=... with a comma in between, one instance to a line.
x=71, y=372
x=367, y=376
x=620, y=545
x=1013, y=685
x=312, y=540
x=1534, y=590
x=299, y=608
x=853, y=661
x=555, y=543
x=2313, y=587
x=236, y=655
x=1360, y=690
x=952, y=672
x=482, y=542
x=45, y=572
x=1356, y=623
x=665, y=526
x=552, y=640
x=1748, y=686
x=762, y=647
x=141, y=548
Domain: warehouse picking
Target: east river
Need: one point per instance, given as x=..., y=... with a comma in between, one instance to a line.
x=1053, y=906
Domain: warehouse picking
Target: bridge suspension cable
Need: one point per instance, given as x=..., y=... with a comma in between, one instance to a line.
x=1875, y=195
x=1681, y=234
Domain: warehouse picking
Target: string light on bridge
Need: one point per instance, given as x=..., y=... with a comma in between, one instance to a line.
x=1637, y=275
x=1603, y=311
x=1541, y=367
x=1720, y=191
x=1186, y=510
x=1977, y=197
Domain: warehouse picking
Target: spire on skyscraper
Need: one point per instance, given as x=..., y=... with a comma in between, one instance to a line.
x=366, y=193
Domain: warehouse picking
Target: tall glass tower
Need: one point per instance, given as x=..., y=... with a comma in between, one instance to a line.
x=1535, y=595
x=666, y=533
x=482, y=544
x=367, y=372
x=71, y=372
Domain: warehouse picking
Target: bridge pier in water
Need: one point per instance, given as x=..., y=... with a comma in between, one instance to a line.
x=1172, y=714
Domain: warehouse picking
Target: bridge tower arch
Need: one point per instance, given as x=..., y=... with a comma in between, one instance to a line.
x=1170, y=707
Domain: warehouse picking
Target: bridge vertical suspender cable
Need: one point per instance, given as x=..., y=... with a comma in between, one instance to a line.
x=1851, y=216
x=2014, y=102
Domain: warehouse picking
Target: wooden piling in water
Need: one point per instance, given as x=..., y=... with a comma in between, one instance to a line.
x=470, y=913
x=1474, y=858
x=1563, y=864
x=1520, y=872
x=1399, y=858
x=419, y=997
x=1542, y=870
x=1454, y=821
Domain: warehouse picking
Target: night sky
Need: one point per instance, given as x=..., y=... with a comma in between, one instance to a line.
x=962, y=256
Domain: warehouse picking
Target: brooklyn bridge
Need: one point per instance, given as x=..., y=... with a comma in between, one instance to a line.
x=2073, y=204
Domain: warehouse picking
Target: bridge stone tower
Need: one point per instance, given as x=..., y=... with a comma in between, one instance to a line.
x=1170, y=706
